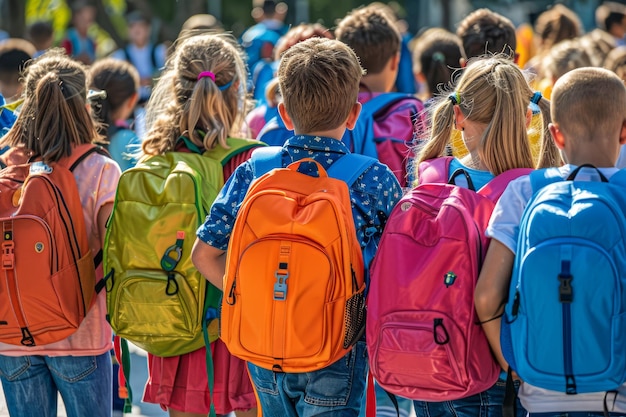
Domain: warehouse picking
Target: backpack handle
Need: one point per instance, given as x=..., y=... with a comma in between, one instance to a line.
x=574, y=173
x=295, y=166
x=461, y=171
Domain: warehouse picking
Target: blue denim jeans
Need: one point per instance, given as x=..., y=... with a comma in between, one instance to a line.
x=31, y=383
x=485, y=404
x=384, y=405
x=334, y=391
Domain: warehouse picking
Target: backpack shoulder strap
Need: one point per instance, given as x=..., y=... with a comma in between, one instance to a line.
x=494, y=188
x=274, y=133
x=81, y=152
x=542, y=177
x=265, y=159
x=436, y=170
x=350, y=167
x=383, y=101
x=359, y=139
x=619, y=178
x=235, y=147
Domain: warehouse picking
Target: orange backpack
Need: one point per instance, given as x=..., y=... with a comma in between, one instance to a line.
x=294, y=283
x=47, y=273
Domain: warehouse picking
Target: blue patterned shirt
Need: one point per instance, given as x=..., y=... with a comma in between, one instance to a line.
x=373, y=194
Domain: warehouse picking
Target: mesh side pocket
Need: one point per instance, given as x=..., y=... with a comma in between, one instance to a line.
x=355, y=319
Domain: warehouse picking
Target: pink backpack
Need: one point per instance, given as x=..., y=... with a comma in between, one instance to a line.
x=423, y=335
x=385, y=131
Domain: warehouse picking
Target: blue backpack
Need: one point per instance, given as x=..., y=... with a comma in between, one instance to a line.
x=563, y=325
x=405, y=80
x=362, y=139
x=274, y=133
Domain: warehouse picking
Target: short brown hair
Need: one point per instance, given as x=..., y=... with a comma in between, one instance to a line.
x=373, y=35
x=485, y=31
x=564, y=57
x=589, y=102
x=319, y=81
x=557, y=24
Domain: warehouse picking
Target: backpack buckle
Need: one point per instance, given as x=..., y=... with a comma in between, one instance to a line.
x=8, y=255
x=280, y=288
x=566, y=292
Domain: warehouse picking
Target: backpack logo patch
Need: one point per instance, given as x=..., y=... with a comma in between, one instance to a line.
x=40, y=168
x=449, y=278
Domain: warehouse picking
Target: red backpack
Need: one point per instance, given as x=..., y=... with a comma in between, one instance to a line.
x=47, y=274
x=423, y=335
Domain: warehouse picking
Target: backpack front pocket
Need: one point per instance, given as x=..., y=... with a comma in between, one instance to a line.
x=153, y=306
x=425, y=354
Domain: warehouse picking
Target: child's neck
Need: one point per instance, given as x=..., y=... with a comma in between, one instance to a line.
x=333, y=134
x=601, y=153
x=598, y=161
x=375, y=83
x=473, y=161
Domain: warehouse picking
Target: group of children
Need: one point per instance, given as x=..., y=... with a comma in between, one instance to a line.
x=481, y=109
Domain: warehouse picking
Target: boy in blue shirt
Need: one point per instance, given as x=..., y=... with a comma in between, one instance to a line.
x=588, y=109
x=319, y=79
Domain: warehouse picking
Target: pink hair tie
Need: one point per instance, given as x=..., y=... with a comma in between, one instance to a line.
x=204, y=74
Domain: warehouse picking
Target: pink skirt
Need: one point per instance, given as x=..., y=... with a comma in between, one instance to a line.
x=180, y=382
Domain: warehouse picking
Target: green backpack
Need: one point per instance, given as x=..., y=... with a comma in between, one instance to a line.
x=156, y=298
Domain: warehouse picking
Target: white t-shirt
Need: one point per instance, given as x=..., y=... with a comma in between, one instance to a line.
x=504, y=227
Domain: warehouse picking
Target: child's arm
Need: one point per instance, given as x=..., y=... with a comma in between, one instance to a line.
x=210, y=262
x=491, y=293
x=103, y=217
x=209, y=250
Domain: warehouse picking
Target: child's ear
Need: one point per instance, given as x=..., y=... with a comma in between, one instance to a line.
x=459, y=118
x=132, y=101
x=283, y=115
x=557, y=135
x=420, y=77
x=395, y=62
x=622, y=134
x=353, y=116
x=529, y=117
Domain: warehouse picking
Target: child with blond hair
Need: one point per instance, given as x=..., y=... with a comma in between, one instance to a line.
x=489, y=106
x=197, y=105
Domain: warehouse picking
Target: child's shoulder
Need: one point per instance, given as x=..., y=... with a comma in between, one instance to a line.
x=96, y=165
